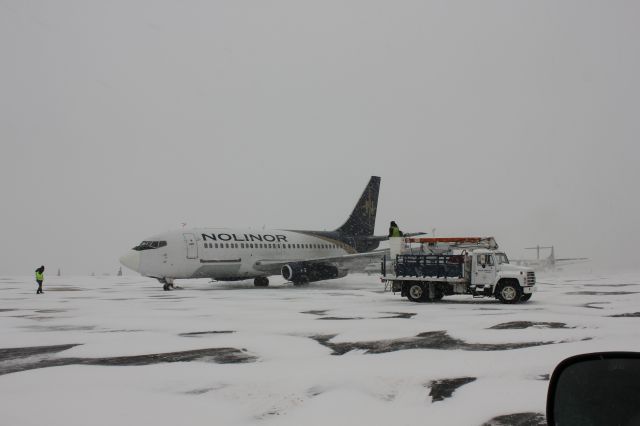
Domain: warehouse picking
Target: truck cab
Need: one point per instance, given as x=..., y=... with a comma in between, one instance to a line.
x=492, y=274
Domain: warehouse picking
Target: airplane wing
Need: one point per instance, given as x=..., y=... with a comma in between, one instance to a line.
x=352, y=262
x=571, y=260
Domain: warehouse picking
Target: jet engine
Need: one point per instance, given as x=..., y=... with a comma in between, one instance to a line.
x=304, y=272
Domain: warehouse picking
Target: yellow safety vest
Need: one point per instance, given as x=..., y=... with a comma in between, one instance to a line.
x=39, y=276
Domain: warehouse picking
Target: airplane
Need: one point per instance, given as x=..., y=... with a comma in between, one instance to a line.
x=549, y=262
x=233, y=254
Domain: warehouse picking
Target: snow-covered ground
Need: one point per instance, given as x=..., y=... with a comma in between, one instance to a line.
x=119, y=350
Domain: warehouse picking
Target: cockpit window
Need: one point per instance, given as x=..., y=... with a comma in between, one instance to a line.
x=148, y=245
x=501, y=258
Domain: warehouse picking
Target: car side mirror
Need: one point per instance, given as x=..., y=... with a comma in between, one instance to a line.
x=595, y=389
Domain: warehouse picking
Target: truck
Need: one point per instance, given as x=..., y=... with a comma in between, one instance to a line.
x=427, y=269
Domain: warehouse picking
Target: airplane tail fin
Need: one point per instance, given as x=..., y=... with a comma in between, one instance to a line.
x=362, y=220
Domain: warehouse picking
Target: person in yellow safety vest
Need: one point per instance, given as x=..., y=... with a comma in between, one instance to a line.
x=39, y=279
x=394, y=231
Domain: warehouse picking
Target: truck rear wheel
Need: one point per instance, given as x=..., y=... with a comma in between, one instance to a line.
x=509, y=292
x=416, y=292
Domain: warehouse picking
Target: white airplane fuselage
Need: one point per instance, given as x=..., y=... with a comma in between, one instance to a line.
x=225, y=253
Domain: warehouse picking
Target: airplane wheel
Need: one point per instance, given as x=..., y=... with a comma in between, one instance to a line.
x=416, y=292
x=261, y=282
x=166, y=287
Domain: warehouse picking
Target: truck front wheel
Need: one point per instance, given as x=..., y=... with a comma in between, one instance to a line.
x=509, y=292
x=416, y=292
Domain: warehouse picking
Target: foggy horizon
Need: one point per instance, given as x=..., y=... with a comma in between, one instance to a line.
x=120, y=120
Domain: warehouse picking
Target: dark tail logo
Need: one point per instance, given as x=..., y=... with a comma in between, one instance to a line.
x=362, y=220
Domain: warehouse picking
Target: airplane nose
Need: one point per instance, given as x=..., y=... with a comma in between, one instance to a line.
x=131, y=260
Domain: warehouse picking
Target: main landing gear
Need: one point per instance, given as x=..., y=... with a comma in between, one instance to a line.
x=167, y=283
x=261, y=282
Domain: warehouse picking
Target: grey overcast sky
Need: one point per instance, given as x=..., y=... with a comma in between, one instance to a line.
x=122, y=119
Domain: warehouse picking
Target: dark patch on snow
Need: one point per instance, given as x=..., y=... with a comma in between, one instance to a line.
x=50, y=311
x=628, y=315
x=7, y=310
x=315, y=391
x=8, y=354
x=601, y=293
x=518, y=325
x=217, y=355
x=340, y=318
x=518, y=419
x=201, y=391
x=617, y=285
x=591, y=305
x=315, y=312
x=345, y=294
x=47, y=288
x=428, y=340
x=202, y=333
x=442, y=389
x=60, y=327
x=403, y=315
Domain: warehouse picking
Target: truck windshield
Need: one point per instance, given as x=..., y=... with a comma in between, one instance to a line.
x=501, y=258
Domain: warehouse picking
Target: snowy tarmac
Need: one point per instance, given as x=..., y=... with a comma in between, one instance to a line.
x=119, y=350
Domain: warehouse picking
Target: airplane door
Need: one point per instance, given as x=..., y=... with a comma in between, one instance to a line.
x=192, y=247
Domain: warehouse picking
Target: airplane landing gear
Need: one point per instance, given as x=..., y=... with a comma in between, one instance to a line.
x=261, y=282
x=167, y=283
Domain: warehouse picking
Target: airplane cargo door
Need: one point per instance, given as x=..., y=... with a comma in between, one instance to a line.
x=192, y=247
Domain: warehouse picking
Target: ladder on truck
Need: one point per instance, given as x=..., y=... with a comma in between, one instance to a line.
x=437, y=245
